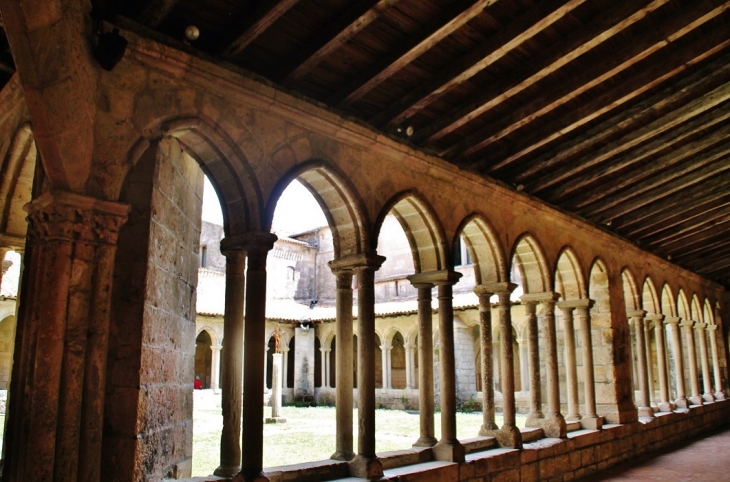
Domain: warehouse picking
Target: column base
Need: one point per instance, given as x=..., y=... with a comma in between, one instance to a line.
x=509, y=436
x=697, y=400
x=343, y=455
x=708, y=397
x=426, y=442
x=256, y=476
x=534, y=419
x=451, y=451
x=554, y=426
x=227, y=470
x=591, y=423
x=573, y=417
x=666, y=407
x=275, y=420
x=719, y=396
x=681, y=403
x=646, y=412
x=488, y=429
x=366, y=468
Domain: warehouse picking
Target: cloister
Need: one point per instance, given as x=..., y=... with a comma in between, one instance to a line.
x=102, y=175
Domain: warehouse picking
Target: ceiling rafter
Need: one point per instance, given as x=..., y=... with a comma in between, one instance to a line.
x=670, y=219
x=266, y=14
x=502, y=43
x=156, y=12
x=688, y=229
x=645, y=44
x=337, y=33
x=699, y=255
x=699, y=238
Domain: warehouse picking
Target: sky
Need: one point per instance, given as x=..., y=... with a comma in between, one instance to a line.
x=296, y=212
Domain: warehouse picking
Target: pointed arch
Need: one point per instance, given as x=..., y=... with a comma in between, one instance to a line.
x=683, y=309
x=211, y=333
x=669, y=307
x=599, y=290
x=631, y=292
x=342, y=206
x=695, y=308
x=649, y=298
x=569, y=281
x=707, y=313
x=484, y=248
x=16, y=179
x=422, y=227
x=529, y=259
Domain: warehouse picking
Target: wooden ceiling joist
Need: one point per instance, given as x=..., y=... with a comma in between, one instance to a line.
x=156, y=12
x=266, y=14
x=690, y=228
x=698, y=256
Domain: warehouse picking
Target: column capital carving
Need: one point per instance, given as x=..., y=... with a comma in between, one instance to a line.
x=12, y=241
x=687, y=324
x=483, y=290
x=357, y=261
x=434, y=278
x=711, y=327
x=216, y=347
x=62, y=215
x=544, y=297
x=672, y=320
x=699, y=326
x=654, y=317
x=636, y=313
x=501, y=287
x=248, y=241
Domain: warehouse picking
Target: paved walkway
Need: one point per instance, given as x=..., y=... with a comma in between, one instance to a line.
x=703, y=459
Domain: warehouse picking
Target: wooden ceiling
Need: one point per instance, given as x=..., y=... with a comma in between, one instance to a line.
x=615, y=111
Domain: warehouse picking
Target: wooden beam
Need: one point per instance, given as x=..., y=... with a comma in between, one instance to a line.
x=684, y=215
x=500, y=44
x=156, y=12
x=678, y=93
x=635, y=164
x=664, y=124
x=582, y=40
x=690, y=229
x=337, y=33
x=718, y=265
x=265, y=15
x=663, y=187
x=699, y=237
x=644, y=44
x=429, y=35
x=721, y=248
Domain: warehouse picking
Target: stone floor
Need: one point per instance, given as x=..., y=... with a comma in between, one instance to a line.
x=702, y=459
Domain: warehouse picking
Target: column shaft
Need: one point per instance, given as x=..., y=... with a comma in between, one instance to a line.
x=447, y=364
x=673, y=327
x=590, y=419
x=554, y=425
x=694, y=379
x=344, y=362
x=571, y=369
x=535, y=415
x=719, y=392
x=425, y=366
x=705, y=363
x=661, y=355
x=643, y=402
x=487, y=361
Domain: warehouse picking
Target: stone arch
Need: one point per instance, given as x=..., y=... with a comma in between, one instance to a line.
x=707, y=313
x=669, y=306
x=649, y=298
x=631, y=292
x=695, y=308
x=16, y=179
x=683, y=308
x=397, y=344
x=204, y=357
x=529, y=259
x=337, y=197
x=221, y=160
x=569, y=281
x=486, y=252
x=424, y=231
x=211, y=333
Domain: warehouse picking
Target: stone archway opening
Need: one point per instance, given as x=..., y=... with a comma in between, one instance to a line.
x=203, y=359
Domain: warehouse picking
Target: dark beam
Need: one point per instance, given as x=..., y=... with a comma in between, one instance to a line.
x=716, y=266
x=678, y=93
x=157, y=11
x=679, y=238
x=647, y=42
x=429, y=35
x=8, y=69
x=337, y=33
x=634, y=162
x=582, y=40
x=676, y=218
x=698, y=253
x=665, y=186
x=265, y=15
x=500, y=44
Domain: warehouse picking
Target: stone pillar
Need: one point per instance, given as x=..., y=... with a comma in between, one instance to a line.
x=63, y=334
x=554, y=423
x=276, y=387
x=215, y=366
x=590, y=420
x=366, y=463
x=485, y=342
x=325, y=354
x=257, y=246
x=672, y=325
x=649, y=363
x=694, y=379
x=385, y=364
x=643, y=403
x=509, y=435
x=712, y=332
x=343, y=359
x=410, y=365
x=661, y=355
x=284, y=366
x=232, y=360
x=571, y=368
x=304, y=363
x=522, y=355
x=536, y=416
x=705, y=360
x=425, y=361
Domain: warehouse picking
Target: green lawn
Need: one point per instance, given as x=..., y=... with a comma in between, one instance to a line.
x=309, y=434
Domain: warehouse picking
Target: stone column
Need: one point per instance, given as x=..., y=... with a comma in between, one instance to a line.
x=425, y=361
x=571, y=368
x=325, y=353
x=661, y=355
x=485, y=341
x=410, y=365
x=554, y=423
x=215, y=366
x=643, y=403
x=706, y=382
x=385, y=365
x=284, y=366
x=672, y=325
x=276, y=387
x=536, y=416
x=509, y=435
x=649, y=363
x=63, y=334
x=366, y=463
x=694, y=379
x=343, y=359
x=257, y=246
x=590, y=420
x=448, y=448
x=524, y=368
x=712, y=332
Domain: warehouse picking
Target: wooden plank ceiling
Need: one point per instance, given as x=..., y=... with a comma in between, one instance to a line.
x=615, y=111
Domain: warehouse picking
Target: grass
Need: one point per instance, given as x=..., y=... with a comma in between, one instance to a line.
x=309, y=433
